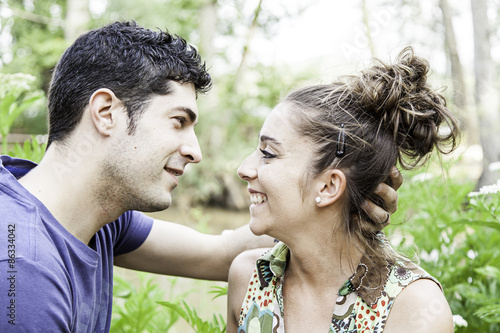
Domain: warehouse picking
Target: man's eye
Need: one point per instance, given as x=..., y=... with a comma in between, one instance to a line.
x=266, y=154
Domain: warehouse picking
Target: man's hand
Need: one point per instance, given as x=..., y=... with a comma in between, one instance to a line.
x=390, y=198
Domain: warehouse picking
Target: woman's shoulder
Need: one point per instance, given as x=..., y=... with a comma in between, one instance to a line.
x=420, y=307
x=244, y=263
x=402, y=275
x=268, y=261
x=240, y=273
x=410, y=301
x=242, y=269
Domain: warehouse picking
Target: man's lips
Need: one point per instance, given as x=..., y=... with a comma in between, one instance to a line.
x=174, y=173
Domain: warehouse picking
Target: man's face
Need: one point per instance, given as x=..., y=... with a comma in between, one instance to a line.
x=143, y=168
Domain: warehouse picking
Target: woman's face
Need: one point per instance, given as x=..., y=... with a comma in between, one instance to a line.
x=276, y=174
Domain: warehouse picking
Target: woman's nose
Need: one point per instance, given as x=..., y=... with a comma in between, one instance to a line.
x=247, y=170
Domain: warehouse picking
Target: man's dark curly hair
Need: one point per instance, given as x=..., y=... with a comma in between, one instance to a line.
x=134, y=62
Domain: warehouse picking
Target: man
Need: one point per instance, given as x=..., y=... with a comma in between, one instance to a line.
x=122, y=111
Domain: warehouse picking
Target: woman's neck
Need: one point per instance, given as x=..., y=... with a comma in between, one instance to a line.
x=324, y=262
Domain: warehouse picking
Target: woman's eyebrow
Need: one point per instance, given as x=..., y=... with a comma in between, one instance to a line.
x=264, y=138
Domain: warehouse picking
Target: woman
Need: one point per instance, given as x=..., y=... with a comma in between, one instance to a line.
x=322, y=152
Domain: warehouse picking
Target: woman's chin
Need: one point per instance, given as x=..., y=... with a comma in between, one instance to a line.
x=258, y=229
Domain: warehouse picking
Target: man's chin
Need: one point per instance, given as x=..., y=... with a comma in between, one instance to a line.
x=156, y=205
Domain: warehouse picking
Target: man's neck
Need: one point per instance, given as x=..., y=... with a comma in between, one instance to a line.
x=69, y=193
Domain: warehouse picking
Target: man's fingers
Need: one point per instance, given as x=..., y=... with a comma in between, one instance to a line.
x=389, y=196
x=377, y=214
x=396, y=178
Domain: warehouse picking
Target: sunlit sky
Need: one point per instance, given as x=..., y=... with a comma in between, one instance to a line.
x=332, y=34
x=334, y=30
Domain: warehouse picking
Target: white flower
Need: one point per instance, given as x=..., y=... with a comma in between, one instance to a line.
x=472, y=254
x=433, y=256
x=487, y=189
x=458, y=320
x=421, y=177
x=15, y=83
x=494, y=166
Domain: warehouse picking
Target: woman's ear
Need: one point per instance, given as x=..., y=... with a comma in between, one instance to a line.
x=103, y=105
x=334, y=183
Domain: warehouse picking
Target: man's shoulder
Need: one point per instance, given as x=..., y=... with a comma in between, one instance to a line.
x=12, y=199
x=26, y=231
x=14, y=203
x=18, y=215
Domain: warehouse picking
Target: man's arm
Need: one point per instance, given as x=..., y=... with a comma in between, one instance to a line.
x=174, y=249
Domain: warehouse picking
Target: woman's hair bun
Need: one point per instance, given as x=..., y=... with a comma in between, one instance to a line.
x=398, y=96
x=387, y=113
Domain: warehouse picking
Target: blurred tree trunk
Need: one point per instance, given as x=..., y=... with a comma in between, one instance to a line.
x=486, y=93
x=459, y=90
x=366, y=22
x=236, y=195
x=77, y=19
x=240, y=72
x=232, y=196
x=208, y=29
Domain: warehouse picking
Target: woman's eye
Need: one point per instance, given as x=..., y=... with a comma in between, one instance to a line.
x=181, y=120
x=266, y=154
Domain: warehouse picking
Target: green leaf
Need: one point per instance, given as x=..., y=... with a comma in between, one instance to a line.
x=218, y=291
x=217, y=325
x=481, y=223
x=31, y=150
x=135, y=309
x=489, y=271
x=490, y=313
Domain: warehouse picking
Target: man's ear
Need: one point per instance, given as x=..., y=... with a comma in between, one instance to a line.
x=103, y=105
x=333, y=186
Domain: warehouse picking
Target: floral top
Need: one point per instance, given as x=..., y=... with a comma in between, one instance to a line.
x=363, y=305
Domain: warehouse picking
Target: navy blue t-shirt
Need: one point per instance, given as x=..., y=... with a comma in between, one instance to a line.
x=49, y=280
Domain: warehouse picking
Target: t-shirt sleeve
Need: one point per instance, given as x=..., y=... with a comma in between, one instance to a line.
x=132, y=229
x=34, y=299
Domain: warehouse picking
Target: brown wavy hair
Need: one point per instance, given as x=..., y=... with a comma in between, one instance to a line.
x=388, y=114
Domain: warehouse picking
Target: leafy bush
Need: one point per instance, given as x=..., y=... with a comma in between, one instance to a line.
x=141, y=309
x=31, y=150
x=458, y=242
x=217, y=325
x=16, y=95
x=136, y=309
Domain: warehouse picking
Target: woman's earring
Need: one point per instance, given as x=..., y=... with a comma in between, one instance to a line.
x=318, y=199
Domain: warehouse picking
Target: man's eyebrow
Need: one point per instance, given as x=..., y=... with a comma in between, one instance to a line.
x=190, y=113
x=264, y=138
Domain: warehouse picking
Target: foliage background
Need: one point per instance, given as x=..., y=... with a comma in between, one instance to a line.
x=257, y=50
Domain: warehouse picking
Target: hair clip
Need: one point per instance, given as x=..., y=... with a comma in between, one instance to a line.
x=341, y=142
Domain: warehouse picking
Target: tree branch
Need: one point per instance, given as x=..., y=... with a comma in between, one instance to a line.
x=31, y=16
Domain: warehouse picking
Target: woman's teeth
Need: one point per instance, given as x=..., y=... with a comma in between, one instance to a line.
x=257, y=199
